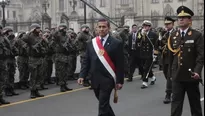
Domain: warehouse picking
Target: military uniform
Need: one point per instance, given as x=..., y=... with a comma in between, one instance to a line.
x=62, y=58
x=147, y=42
x=163, y=48
x=11, y=62
x=4, y=53
x=187, y=51
x=22, y=62
x=82, y=39
x=36, y=51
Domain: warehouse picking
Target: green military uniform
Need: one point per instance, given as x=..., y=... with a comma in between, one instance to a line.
x=4, y=53
x=11, y=62
x=22, y=62
x=82, y=39
x=62, y=59
x=36, y=51
x=187, y=52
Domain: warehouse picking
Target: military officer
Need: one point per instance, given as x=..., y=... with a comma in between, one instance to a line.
x=147, y=41
x=187, y=60
x=62, y=59
x=11, y=62
x=36, y=50
x=163, y=48
x=4, y=53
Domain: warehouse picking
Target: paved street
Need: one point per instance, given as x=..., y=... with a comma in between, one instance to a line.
x=81, y=102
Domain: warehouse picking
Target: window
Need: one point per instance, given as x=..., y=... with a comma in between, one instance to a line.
x=124, y=2
x=155, y=1
x=102, y=3
x=14, y=14
x=61, y=5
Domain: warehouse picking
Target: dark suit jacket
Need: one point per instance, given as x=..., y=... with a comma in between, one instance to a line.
x=137, y=49
x=99, y=74
x=192, y=55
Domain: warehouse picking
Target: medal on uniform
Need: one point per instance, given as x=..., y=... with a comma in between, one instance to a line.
x=175, y=41
x=189, y=50
x=101, y=52
x=190, y=33
x=177, y=34
x=174, y=37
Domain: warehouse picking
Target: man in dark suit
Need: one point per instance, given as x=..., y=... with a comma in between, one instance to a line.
x=187, y=53
x=101, y=79
x=134, y=52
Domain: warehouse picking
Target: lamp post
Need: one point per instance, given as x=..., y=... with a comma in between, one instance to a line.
x=45, y=6
x=3, y=4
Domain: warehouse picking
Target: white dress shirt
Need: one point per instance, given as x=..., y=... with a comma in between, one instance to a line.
x=105, y=39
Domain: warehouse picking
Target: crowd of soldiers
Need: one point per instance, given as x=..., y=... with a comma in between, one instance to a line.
x=35, y=52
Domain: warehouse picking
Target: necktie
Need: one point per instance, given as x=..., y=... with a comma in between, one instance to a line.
x=134, y=37
x=102, y=40
x=183, y=35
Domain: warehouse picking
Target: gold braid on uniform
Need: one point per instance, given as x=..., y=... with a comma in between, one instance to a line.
x=175, y=51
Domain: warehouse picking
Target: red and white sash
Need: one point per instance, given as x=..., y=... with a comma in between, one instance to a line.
x=104, y=57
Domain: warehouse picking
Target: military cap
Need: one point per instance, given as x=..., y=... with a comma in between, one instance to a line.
x=63, y=25
x=184, y=11
x=85, y=26
x=147, y=23
x=168, y=20
x=34, y=26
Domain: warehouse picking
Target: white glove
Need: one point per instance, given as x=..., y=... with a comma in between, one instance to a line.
x=154, y=58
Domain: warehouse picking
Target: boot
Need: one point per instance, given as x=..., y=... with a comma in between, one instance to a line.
x=8, y=92
x=62, y=88
x=153, y=80
x=2, y=101
x=13, y=92
x=42, y=87
x=167, y=99
x=67, y=89
x=33, y=94
x=38, y=94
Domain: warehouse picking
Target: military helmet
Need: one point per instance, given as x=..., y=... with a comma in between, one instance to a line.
x=34, y=26
x=85, y=26
x=62, y=25
x=7, y=29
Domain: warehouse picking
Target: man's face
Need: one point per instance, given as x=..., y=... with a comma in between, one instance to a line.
x=169, y=26
x=103, y=28
x=146, y=28
x=134, y=29
x=38, y=30
x=184, y=21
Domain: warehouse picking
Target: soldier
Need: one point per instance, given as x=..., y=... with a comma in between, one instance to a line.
x=22, y=62
x=4, y=53
x=62, y=59
x=134, y=52
x=34, y=41
x=48, y=58
x=147, y=40
x=124, y=34
x=162, y=46
x=187, y=55
x=82, y=38
x=73, y=55
x=11, y=62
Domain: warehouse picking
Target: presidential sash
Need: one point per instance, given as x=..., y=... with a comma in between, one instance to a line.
x=106, y=61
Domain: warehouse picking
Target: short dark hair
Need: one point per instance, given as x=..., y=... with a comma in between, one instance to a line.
x=134, y=25
x=104, y=20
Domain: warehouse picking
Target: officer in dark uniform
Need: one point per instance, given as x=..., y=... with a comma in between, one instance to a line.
x=34, y=41
x=4, y=52
x=134, y=53
x=11, y=62
x=187, y=55
x=163, y=48
x=147, y=41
